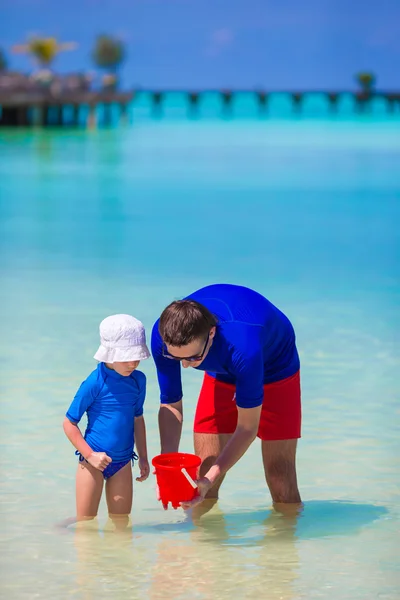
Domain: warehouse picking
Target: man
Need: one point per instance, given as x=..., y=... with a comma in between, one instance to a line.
x=251, y=386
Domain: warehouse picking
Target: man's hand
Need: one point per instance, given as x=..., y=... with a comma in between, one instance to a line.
x=99, y=460
x=203, y=486
x=246, y=430
x=144, y=469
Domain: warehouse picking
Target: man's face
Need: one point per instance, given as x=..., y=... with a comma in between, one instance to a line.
x=188, y=354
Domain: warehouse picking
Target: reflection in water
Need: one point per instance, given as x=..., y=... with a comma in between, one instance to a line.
x=317, y=518
x=43, y=143
x=213, y=555
x=109, y=561
x=216, y=564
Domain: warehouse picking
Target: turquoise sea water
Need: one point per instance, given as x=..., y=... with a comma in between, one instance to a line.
x=306, y=210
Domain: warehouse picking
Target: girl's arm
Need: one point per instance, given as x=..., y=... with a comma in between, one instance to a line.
x=140, y=437
x=74, y=435
x=141, y=447
x=98, y=460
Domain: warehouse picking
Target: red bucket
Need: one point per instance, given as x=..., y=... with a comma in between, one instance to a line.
x=172, y=483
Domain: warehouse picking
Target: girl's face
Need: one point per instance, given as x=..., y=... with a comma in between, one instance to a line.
x=124, y=368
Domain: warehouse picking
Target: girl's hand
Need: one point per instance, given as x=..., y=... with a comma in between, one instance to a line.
x=99, y=460
x=144, y=468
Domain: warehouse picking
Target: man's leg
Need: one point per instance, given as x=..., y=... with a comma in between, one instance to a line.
x=279, y=458
x=214, y=422
x=209, y=446
x=280, y=427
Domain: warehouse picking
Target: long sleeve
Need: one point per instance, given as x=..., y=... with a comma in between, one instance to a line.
x=140, y=379
x=168, y=371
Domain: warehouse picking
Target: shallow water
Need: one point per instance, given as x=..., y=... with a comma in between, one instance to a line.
x=305, y=211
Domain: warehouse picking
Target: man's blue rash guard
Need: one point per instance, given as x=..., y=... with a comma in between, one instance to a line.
x=111, y=402
x=254, y=344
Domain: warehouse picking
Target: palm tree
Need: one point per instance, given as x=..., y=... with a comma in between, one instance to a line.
x=44, y=50
x=108, y=54
x=3, y=61
x=366, y=81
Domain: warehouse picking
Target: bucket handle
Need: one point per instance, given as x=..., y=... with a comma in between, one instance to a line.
x=190, y=480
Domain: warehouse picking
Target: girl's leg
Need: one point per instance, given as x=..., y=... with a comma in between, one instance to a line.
x=89, y=486
x=119, y=494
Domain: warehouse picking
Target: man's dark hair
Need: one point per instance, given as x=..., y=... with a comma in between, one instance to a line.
x=184, y=321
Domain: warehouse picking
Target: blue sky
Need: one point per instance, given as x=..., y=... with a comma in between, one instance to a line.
x=279, y=44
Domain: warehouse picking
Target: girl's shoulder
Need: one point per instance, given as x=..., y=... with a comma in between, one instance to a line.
x=91, y=386
x=95, y=381
x=139, y=378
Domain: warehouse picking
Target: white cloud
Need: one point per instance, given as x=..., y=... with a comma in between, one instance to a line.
x=220, y=39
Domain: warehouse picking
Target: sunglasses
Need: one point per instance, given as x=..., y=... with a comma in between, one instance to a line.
x=195, y=358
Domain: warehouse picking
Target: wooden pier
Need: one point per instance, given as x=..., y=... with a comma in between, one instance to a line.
x=362, y=100
x=43, y=108
x=21, y=109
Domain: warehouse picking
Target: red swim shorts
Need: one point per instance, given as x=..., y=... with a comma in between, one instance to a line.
x=280, y=416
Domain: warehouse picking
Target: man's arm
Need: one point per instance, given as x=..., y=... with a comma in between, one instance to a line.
x=246, y=431
x=245, y=434
x=170, y=414
x=170, y=417
x=249, y=370
x=249, y=398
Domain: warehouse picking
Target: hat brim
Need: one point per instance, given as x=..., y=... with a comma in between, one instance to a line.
x=112, y=355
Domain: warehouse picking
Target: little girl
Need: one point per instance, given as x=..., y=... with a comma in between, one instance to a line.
x=113, y=397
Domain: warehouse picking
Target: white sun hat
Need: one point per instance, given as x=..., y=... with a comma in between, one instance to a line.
x=122, y=339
